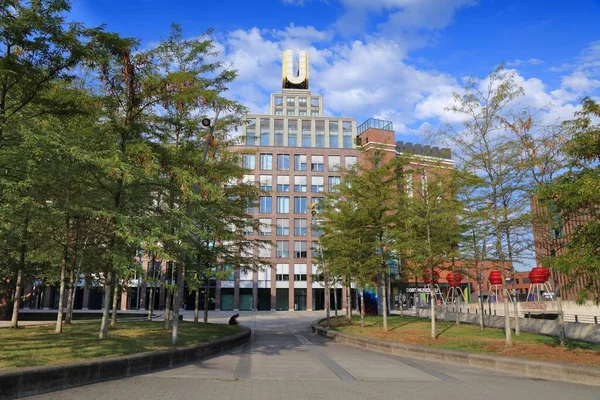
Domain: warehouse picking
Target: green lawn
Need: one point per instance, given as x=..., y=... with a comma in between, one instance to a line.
x=39, y=345
x=470, y=338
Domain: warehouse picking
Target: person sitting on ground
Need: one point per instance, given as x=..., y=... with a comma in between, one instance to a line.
x=233, y=320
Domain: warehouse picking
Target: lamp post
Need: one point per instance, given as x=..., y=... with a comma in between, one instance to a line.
x=326, y=299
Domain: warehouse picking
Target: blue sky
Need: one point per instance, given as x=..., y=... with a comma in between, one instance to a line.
x=398, y=60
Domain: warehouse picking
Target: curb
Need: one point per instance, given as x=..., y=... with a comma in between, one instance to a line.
x=526, y=368
x=37, y=380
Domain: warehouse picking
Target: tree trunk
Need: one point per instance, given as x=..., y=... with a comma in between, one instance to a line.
x=176, y=305
x=71, y=294
x=516, y=310
x=106, y=306
x=206, y=298
x=61, y=291
x=561, y=321
x=335, y=299
x=167, y=307
x=115, y=303
x=327, y=299
x=480, y=301
x=151, y=285
x=349, y=301
x=384, y=305
x=197, y=305
x=507, y=328
x=362, y=308
x=14, y=321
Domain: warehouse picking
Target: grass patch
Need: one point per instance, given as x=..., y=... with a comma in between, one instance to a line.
x=466, y=337
x=39, y=345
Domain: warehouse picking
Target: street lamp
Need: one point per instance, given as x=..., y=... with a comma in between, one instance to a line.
x=313, y=213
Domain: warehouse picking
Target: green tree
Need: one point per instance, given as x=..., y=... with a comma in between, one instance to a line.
x=484, y=146
x=574, y=196
x=364, y=211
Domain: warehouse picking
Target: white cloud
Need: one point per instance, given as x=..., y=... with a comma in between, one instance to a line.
x=517, y=62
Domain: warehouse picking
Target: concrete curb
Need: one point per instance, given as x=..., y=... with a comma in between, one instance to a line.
x=526, y=368
x=36, y=380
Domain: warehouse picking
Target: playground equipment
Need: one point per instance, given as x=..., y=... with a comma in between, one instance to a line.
x=432, y=286
x=455, y=292
x=496, y=294
x=539, y=284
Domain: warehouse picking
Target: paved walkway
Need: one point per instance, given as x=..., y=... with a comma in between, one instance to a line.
x=284, y=360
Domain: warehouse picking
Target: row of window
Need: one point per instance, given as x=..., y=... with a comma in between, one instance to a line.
x=282, y=249
x=265, y=205
x=300, y=183
x=282, y=227
x=282, y=273
x=290, y=101
x=317, y=162
x=296, y=127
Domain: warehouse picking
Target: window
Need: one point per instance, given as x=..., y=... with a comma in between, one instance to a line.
x=300, y=162
x=299, y=205
x=246, y=275
x=283, y=272
x=265, y=204
x=314, y=113
x=320, y=133
x=290, y=112
x=278, y=100
x=347, y=142
x=424, y=185
x=248, y=230
x=300, y=184
x=316, y=227
x=302, y=102
x=266, y=162
x=283, y=204
x=283, y=162
x=283, y=249
x=314, y=102
x=266, y=183
x=230, y=271
x=300, y=227
x=317, y=184
x=264, y=228
x=278, y=128
x=249, y=206
x=409, y=185
x=306, y=127
x=283, y=183
x=283, y=227
x=264, y=273
x=334, y=163
x=249, y=161
x=248, y=179
x=334, y=181
x=300, y=272
x=316, y=163
x=265, y=130
x=264, y=251
x=293, y=133
x=334, y=142
x=291, y=101
x=347, y=132
x=300, y=249
x=350, y=161
x=279, y=111
x=302, y=113
x=251, y=131
x=347, y=127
